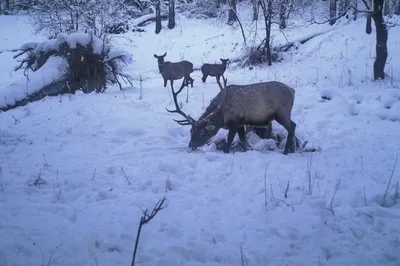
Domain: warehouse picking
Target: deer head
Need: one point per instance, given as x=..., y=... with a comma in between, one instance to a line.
x=205, y=128
x=224, y=61
x=160, y=60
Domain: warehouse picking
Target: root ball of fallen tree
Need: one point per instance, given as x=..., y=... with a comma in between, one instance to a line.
x=93, y=63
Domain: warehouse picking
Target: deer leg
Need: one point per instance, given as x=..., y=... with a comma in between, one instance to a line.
x=204, y=78
x=242, y=138
x=165, y=83
x=190, y=80
x=290, y=127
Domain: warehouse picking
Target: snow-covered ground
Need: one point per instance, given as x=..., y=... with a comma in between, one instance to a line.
x=77, y=171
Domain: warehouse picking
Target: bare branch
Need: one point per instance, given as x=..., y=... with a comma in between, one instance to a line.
x=146, y=217
x=390, y=180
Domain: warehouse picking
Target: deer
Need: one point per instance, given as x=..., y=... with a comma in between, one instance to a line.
x=174, y=71
x=237, y=106
x=214, y=70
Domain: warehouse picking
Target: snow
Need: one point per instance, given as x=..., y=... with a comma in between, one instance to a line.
x=65, y=198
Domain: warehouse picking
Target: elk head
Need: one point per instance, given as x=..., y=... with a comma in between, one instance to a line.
x=206, y=127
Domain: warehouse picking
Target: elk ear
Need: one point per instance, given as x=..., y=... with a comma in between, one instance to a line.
x=165, y=54
x=155, y=56
x=210, y=128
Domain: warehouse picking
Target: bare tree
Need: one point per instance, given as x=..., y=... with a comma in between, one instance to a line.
x=266, y=6
x=343, y=5
x=282, y=13
x=255, y=10
x=381, y=36
x=232, y=12
x=332, y=11
x=157, y=5
x=52, y=17
x=397, y=10
x=381, y=40
x=171, y=14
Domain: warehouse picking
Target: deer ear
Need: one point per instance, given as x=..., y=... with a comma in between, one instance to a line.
x=165, y=54
x=210, y=128
x=155, y=56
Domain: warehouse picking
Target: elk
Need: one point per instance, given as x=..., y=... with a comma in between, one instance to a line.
x=237, y=106
x=174, y=71
x=214, y=70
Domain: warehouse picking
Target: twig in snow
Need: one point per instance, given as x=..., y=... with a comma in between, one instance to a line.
x=94, y=174
x=233, y=160
x=126, y=177
x=1, y=179
x=366, y=214
x=241, y=255
x=337, y=186
x=390, y=180
x=365, y=198
x=265, y=184
x=146, y=217
x=141, y=87
x=273, y=196
x=287, y=189
x=46, y=164
x=168, y=185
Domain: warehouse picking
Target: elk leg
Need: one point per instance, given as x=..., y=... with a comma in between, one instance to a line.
x=242, y=138
x=165, y=83
x=264, y=132
x=290, y=127
x=231, y=135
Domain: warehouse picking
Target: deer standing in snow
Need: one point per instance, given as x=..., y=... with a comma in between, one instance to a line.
x=236, y=106
x=174, y=71
x=214, y=70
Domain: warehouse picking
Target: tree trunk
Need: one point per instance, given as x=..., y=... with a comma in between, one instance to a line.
x=232, y=12
x=255, y=10
x=343, y=6
x=397, y=11
x=368, y=27
x=386, y=8
x=158, y=17
x=355, y=9
x=171, y=14
x=267, y=12
x=381, y=40
x=268, y=45
x=332, y=11
x=282, y=14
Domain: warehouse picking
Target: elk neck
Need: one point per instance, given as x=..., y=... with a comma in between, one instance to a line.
x=213, y=113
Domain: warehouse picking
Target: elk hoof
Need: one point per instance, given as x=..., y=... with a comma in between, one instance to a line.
x=226, y=148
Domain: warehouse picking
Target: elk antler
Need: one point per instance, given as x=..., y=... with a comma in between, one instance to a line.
x=224, y=91
x=188, y=119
